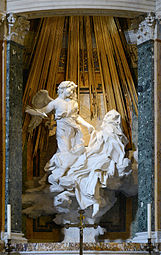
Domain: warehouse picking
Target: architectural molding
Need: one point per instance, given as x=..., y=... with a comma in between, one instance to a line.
x=81, y=12
x=18, y=27
x=49, y=6
x=143, y=28
x=84, y=252
x=146, y=29
x=10, y=22
x=15, y=237
x=142, y=237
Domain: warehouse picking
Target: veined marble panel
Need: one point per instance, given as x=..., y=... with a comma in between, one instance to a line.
x=73, y=248
x=26, y=6
x=70, y=248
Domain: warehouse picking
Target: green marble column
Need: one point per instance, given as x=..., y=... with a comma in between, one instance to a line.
x=146, y=125
x=145, y=132
x=18, y=27
x=14, y=86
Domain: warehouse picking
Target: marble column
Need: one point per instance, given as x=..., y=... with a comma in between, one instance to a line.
x=14, y=89
x=145, y=132
x=157, y=148
x=14, y=132
x=2, y=124
x=146, y=127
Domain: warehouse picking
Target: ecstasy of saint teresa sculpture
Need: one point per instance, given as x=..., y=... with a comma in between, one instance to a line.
x=80, y=172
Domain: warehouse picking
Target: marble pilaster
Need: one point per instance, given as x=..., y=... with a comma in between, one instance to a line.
x=146, y=181
x=14, y=131
x=2, y=124
x=14, y=88
x=145, y=132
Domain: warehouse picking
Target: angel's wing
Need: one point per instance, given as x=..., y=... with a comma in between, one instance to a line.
x=39, y=100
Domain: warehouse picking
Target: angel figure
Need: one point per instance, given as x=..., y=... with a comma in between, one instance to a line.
x=68, y=132
x=78, y=171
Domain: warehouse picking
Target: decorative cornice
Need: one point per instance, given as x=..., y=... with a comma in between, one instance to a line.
x=39, y=6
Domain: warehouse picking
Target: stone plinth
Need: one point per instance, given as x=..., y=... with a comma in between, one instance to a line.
x=84, y=252
x=89, y=248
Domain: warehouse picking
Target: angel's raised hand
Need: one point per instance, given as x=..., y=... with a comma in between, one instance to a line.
x=36, y=112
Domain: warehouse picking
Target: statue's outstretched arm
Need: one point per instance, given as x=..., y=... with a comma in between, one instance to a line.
x=84, y=123
x=42, y=111
x=41, y=105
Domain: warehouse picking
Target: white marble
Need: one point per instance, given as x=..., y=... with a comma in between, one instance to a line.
x=16, y=237
x=142, y=237
x=147, y=29
x=80, y=177
x=121, y=6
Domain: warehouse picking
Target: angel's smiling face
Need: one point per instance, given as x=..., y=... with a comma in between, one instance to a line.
x=69, y=91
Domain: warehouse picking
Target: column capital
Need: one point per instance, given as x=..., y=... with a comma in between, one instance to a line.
x=146, y=29
x=18, y=26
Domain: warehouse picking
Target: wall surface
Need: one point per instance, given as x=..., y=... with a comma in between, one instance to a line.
x=120, y=6
x=158, y=8
x=2, y=7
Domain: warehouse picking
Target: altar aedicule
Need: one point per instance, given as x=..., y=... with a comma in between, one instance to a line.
x=81, y=177
x=80, y=150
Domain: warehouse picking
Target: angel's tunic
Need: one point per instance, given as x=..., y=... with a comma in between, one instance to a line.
x=69, y=137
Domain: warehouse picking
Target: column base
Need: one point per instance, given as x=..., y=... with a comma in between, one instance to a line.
x=142, y=237
x=15, y=237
